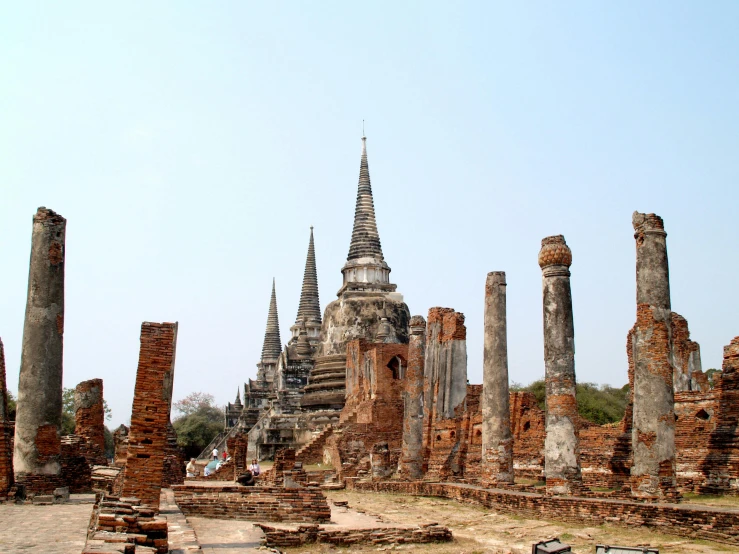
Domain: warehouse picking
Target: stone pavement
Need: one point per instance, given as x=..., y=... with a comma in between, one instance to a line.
x=226, y=536
x=52, y=529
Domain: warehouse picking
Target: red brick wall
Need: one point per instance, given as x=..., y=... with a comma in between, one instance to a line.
x=253, y=503
x=373, y=412
x=147, y=439
x=6, y=429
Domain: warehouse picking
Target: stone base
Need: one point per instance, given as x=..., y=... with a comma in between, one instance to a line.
x=36, y=483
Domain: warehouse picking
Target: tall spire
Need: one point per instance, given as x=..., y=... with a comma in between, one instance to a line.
x=272, y=344
x=365, y=238
x=309, y=309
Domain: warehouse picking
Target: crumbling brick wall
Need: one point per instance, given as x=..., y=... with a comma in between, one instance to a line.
x=120, y=446
x=238, y=445
x=6, y=430
x=174, y=460
x=722, y=464
x=89, y=419
x=445, y=392
x=263, y=503
x=373, y=411
x=686, y=358
x=76, y=471
x=147, y=439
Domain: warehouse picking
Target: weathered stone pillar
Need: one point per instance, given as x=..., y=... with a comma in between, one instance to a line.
x=39, y=412
x=6, y=454
x=89, y=418
x=561, y=447
x=497, y=440
x=653, y=432
x=152, y=400
x=411, y=457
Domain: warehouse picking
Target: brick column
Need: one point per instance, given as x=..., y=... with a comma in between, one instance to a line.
x=89, y=418
x=152, y=399
x=411, y=457
x=653, y=432
x=6, y=454
x=561, y=447
x=497, y=441
x=39, y=413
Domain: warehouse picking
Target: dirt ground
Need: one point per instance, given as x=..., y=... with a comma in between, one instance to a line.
x=477, y=530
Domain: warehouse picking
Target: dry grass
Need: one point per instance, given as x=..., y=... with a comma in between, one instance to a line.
x=479, y=530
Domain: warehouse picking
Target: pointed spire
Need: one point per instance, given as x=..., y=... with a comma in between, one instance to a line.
x=365, y=238
x=309, y=308
x=271, y=349
x=238, y=397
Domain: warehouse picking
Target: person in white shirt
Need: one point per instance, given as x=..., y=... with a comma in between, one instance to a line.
x=215, y=454
x=254, y=468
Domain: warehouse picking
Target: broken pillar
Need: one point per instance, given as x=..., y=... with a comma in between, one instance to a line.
x=152, y=400
x=445, y=390
x=686, y=358
x=497, y=440
x=653, y=430
x=561, y=447
x=37, y=446
x=411, y=457
x=6, y=454
x=89, y=418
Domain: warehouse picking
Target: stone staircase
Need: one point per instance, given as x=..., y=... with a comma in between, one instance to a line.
x=312, y=452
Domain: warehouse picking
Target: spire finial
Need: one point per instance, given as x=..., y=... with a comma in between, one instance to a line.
x=272, y=344
x=364, y=137
x=309, y=308
x=365, y=238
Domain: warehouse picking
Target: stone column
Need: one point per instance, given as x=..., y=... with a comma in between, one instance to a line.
x=411, y=457
x=653, y=431
x=497, y=441
x=6, y=454
x=89, y=418
x=39, y=412
x=561, y=447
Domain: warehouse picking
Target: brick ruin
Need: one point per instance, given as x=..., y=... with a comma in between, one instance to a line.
x=89, y=419
x=147, y=437
x=6, y=428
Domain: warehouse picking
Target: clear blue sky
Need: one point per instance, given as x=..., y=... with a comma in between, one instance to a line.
x=192, y=145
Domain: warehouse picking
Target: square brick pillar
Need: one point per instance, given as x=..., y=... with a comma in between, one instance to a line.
x=152, y=400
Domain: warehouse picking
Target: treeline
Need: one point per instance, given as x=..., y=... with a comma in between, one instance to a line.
x=597, y=403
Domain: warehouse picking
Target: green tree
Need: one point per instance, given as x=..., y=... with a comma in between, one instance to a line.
x=597, y=403
x=714, y=376
x=199, y=422
x=11, y=406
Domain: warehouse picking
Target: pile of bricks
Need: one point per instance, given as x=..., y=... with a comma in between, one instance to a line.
x=277, y=537
x=123, y=520
x=147, y=438
x=107, y=479
x=708, y=523
x=253, y=503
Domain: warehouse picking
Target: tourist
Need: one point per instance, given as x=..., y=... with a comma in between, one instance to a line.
x=225, y=455
x=215, y=454
x=191, y=468
x=255, y=470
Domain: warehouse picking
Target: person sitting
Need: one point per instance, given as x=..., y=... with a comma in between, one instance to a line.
x=246, y=479
x=254, y=468
x=207, y=471
x=191, y=468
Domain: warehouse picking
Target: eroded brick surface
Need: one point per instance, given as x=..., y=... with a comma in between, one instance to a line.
x=89, y=418
x=6, y=429
x=147, y=439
